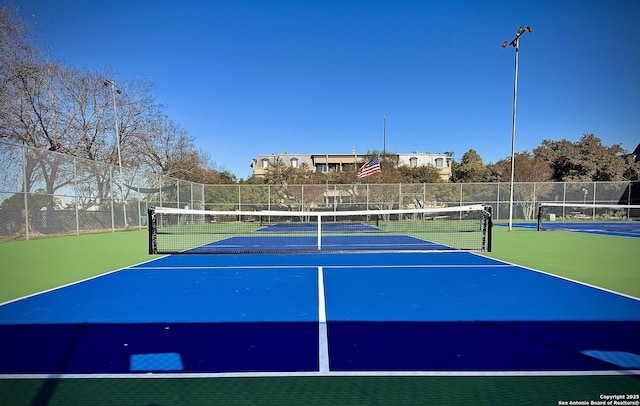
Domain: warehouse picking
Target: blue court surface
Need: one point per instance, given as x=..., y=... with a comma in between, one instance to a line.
x=329, y=227
x=436, y=313
x=293, y=244
x=619, y=228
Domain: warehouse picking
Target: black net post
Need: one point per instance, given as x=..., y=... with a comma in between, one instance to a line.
x=539, y=217
x=152, y=226
x=489, y=225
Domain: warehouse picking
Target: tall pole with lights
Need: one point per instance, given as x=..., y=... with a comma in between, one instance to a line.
x=516, y=44
x=114, y=90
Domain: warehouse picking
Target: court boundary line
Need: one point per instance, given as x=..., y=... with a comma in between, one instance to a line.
x=182, y=375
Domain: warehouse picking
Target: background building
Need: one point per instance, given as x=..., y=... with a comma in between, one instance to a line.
x=342, y=162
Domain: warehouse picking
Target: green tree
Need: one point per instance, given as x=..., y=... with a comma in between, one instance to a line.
x=470, y=169
x=584, y=160
x=632, y=163
x=420, y=174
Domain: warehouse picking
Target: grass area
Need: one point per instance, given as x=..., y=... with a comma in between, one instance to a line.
x=605, y=261
x=33, y=266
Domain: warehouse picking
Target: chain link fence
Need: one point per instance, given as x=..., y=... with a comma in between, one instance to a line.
x=526, y=196
x=43, y=193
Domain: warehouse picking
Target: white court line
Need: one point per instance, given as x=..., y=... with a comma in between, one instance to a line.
x=179, y=375
x=394, y=266
x=323, y=339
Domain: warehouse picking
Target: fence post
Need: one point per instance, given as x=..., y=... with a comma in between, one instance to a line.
x=535, y=198
x=75, y=193
x=204, y=205
x=593, y=210
x=498, y=203
x=367, y=196
x=178, y=193
x=25, y=192
x=112, y=198
x=564, y=199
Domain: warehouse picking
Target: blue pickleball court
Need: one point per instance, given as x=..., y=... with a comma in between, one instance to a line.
x=306, y=314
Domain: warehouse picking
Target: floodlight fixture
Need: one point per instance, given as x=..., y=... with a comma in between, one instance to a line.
x=108, y=82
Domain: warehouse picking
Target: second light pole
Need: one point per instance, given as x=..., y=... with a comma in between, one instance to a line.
x=516, y=44
x=114, y=90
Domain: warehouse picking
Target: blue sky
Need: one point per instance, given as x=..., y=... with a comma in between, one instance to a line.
x=259, y=77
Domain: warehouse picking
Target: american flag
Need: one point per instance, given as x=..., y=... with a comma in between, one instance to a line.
x=371, y=167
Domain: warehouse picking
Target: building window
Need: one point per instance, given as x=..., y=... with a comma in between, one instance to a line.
x=321, y=167
x=413, y=162
x=294, y=162
x=439, y=162
x=265, y=163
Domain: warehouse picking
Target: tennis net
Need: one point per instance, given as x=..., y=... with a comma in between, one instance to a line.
x=204, y=231
x=589, y=217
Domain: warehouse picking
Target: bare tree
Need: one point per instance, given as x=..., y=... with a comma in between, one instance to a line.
x=162, y=145
x=16, y=55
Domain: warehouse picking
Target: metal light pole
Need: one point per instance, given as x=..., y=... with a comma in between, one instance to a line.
x=114, y=90
x=514, y=43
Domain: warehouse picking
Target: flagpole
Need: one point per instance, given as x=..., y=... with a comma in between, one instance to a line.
x=355, y=159
x=384, y=135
